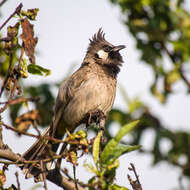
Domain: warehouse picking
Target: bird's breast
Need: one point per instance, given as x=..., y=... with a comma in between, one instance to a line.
x=98, y=92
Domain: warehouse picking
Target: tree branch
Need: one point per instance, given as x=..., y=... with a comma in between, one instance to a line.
x=136, y=185
x=2, y=2
x=171, y=56
x=53, y=175
x=32, y=135
x=20, y=100
x=17, y=10
x=185, y=79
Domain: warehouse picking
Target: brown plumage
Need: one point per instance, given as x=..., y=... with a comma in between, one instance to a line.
x=92, y=87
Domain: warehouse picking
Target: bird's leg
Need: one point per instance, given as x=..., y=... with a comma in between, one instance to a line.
x=99, y=118
x=96, y=116
x=101, y=121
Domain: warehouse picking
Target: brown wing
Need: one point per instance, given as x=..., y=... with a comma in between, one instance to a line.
x=67, y=91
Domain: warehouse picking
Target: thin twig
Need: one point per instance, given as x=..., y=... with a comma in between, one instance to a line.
x=180, y=70
x=16, y=159
x=66, y=173
x=32, y=135
x=17, y=11
x=17, y=180
x=134, y=170
x=15, y=81
x=21, y=56
x=20, y=100
x=185, y=79
x=58, y=180
x=18, y=131
x=44, y=174
x=36, y=128
x=2, y=2
x=75, y=180
x=14, y=88
x=67, y=184
x=6, y=39
x=10, y=72
x=136, y=185
x=11, y=95
x=1, y=138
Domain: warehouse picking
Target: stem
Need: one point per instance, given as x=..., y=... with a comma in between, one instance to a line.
x=2, y=2
x=17, y=11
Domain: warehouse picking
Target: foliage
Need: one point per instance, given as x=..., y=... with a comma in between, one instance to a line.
x=107, y=162
x=161, y=29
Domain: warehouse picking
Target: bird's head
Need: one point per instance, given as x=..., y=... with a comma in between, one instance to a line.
x=104, y=53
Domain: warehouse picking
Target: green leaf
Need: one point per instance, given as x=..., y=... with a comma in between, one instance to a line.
x=117, y=187
x=38, y=70
x=107, y=150
x=113, y=143
x=120, y=150
x=96, y=147
x=126, y=129
x=81, y=133
x=112, y=167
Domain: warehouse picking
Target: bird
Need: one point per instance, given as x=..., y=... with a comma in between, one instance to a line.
x=90, y=89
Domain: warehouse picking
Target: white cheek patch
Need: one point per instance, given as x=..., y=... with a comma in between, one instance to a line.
x=102, y=54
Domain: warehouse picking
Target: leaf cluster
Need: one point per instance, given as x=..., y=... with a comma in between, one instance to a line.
x=161, y=28
x=106, y=160
x=179, y=141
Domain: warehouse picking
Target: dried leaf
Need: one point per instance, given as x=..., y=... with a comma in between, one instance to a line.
x=23, y=122
x=29, y=42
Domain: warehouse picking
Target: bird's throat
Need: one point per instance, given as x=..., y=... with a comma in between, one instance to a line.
x=112, y=69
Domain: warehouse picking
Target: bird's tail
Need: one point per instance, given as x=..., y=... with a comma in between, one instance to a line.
x=41, y=149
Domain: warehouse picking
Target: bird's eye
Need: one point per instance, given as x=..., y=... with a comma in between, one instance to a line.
x=107, y=48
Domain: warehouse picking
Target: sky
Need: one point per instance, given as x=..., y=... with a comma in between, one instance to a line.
x=64, y=29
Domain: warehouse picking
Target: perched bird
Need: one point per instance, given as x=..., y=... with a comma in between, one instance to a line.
x=92, y=87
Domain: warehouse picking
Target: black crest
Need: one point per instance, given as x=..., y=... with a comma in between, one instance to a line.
x=98, y=38
x=97, y=41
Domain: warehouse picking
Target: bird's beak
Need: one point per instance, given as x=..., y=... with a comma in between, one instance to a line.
x=118, y=48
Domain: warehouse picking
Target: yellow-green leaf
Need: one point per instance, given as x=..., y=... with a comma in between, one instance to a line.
x=126, y=129
x=96, y=147
x=113, y=143
x=120, y=150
